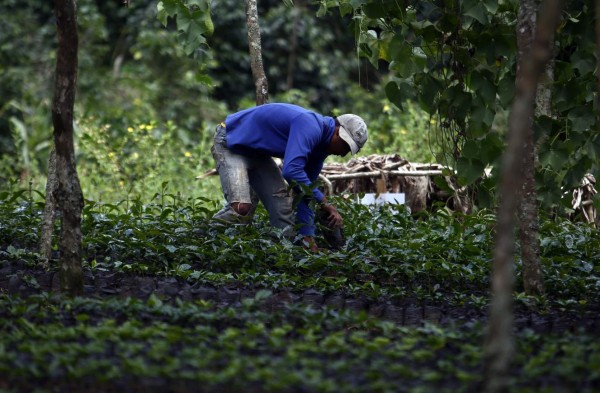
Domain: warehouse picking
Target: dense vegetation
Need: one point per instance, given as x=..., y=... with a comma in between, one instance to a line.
x=388, y=252
x=174, y=301
x=127, y=344
x=146, y=111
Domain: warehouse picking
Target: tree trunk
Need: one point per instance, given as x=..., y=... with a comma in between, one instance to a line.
x=291, y=66
x=499, y=341
x=533, y=279
x=598, y=57
x=49, y=212
x=68, y=194
x=256, y=62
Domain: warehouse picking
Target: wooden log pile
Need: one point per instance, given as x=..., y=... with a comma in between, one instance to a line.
x=391, y=173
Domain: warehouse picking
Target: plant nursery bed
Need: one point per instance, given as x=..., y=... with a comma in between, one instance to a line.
x=111, y=344
x=408, y=311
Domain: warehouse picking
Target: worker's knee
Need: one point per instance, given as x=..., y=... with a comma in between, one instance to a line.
x=243, y=209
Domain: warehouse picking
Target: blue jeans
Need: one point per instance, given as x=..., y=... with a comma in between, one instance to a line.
x=248, y=179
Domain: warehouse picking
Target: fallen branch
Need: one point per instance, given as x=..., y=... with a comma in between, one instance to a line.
x=360, y=175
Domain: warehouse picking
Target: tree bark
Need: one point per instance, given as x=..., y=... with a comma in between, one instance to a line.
x=291, y=66
x=533, y=279
x=256, y=62
x=598, y=57
x=68, y=194
x=49, y=212
x=499, y=341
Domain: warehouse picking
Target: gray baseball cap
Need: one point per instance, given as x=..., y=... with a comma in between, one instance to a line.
x=353, y=130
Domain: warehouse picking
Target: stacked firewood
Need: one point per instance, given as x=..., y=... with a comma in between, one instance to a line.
x=391, y=173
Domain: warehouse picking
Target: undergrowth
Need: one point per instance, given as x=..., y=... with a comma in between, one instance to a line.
x=389, y=252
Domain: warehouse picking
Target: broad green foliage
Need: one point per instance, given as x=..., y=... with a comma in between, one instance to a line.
x=131, y=72
x=439, y=258
x=48, y=340
x=457, y=58
x=388, y=253
x=192, y=18
x=448, y=57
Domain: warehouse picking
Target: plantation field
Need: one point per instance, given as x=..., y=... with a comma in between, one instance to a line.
x=175, y=303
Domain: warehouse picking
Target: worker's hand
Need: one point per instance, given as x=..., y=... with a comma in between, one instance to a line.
x=309, y=243
x=333, y=219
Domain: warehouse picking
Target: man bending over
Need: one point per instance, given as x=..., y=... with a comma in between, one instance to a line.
x=243, y=149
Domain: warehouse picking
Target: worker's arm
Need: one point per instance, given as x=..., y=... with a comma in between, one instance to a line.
x=303, y=140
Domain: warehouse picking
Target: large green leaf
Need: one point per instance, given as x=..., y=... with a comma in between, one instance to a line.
x=393, y=94
x=165, y=9
x=542, y=127
x=485, y=149
x=554, y=158
x=428, y=11
x=582, y=118
x=357, y=3
x=345, y=9
x=449, y=22
x=459, y=102
x=483, y=86
x=480, y=121
x=583, y=62
x=369, y=47
x=429, y=88
x=184, y=18
x=471, y=149
x=479, y=13
x=469, y=170
x=442, y=184
x=203, y=5
x=399, y=49
x=404, y=63
x=576, y=172
x=491, y=5
x=193, y=27
x=506, y=90
x=399, y=92
x=375, y=10
x=490, y=148
x=592, y=147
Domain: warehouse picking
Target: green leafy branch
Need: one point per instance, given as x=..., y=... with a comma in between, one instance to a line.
x=192, y=18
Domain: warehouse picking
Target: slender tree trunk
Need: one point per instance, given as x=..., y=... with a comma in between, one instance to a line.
x=598, y=57
x=49, y=212
x=256, y=62
x=533, y=279
x=291, y=66
x=68, y=194
x=499, y=341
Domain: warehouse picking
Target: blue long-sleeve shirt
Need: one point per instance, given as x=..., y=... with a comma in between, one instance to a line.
x=299, y=136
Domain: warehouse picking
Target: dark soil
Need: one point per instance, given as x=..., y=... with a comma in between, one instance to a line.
x=24, y=281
